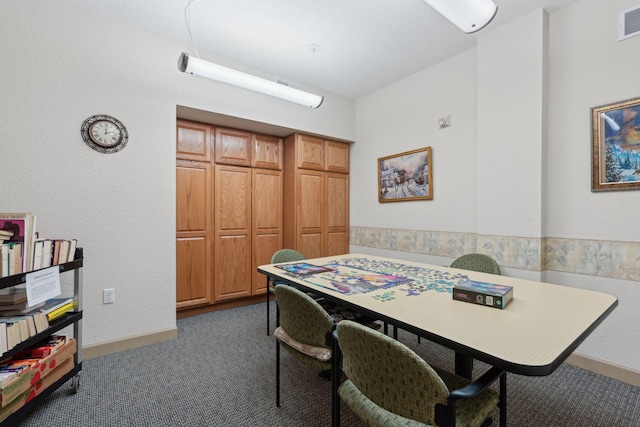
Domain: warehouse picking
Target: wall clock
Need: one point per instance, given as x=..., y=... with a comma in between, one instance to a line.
x=104, y=133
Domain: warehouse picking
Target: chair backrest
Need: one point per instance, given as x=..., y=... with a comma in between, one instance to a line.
x=286, y=255
x=302, y=318
x=477, y=262
x=389, y=373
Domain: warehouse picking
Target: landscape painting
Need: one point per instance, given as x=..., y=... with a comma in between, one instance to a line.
x=616, y=146
x=405, y=176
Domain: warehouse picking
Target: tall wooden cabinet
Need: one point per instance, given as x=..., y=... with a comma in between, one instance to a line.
x=193, y=215
x=228, y=213
x=232, y=247
x=316, y=195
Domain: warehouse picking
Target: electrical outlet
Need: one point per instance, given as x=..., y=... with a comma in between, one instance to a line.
x=108, y=296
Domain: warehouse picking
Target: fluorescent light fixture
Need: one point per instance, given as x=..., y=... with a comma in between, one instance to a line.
x=468, y=15
x=209, y=70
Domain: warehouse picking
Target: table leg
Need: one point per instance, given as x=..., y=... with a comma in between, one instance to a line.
x=503, y=400
x=464, y=365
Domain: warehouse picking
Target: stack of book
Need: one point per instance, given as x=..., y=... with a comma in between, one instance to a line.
x=19, y=323
x=22, y=227
x=22, y=250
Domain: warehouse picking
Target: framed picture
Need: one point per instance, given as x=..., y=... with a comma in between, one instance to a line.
x=616, y=146
x=405, y=176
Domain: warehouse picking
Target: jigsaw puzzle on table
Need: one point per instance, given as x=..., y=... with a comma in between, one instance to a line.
x=361, y=275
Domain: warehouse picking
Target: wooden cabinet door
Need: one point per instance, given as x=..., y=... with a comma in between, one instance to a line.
x=232, y=248
x=337, y=156
x=267, y=152
x=310, y=152
x=336, y=214
x=266, y=217
x=193, y=141
x=232, y=147
x=193, y=241
x=310, y=213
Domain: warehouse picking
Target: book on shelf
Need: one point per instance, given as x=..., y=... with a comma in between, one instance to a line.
x=11, y=334
x=73, y=245
x=46, y=253
x=488, y=294
x=4, y=260
x=38, y=251
x=15, y=258
x=62, y=250
x=39, y=319
x=44, y=348
x=21, y=327
x=5, y=235
x=60, y=311
x=19, y=308
x=13, y=295
x=3, y=338
x=23, y=227
x=56, y=307
x=17, y=330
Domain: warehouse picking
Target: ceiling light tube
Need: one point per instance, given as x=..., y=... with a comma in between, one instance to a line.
x=209, y=70
x=468, y=15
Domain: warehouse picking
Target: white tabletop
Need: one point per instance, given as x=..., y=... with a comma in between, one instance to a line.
x=532, y=335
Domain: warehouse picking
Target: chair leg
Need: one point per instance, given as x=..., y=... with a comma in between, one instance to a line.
x=277, y=360
x=335, y=382
x=268, y=284
x=277, y=373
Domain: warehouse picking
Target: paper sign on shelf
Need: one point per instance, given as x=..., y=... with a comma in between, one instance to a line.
x=43, y=285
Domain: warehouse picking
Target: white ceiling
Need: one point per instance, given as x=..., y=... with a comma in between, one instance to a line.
x=364, y=44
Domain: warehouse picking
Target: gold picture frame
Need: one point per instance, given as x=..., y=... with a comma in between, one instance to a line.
x=615, y=139
x=406, y=176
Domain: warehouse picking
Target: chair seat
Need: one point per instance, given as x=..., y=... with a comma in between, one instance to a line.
x=469, y=413
x=372, y=414
x=389, y=384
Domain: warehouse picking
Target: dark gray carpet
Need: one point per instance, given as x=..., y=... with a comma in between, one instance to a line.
x=220, y=371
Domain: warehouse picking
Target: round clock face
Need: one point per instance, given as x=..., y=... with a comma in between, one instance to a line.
x=104, y=133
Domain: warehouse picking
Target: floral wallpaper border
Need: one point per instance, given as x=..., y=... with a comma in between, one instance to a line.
x=618, y=260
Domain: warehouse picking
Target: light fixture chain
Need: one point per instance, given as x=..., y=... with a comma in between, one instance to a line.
x=187, y=19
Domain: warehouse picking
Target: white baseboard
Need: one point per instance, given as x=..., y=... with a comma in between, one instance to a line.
x=608, y=369
x=102, y=349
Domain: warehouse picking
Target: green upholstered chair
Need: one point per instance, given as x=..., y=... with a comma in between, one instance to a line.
x=390, y=385
x=477, y=262
x=304, y=331
x=282, y=255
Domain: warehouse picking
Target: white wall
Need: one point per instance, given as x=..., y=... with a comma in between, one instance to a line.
x=61, y=65
x=588, y=67
x=403, y=117
x=511, y=91
x=523, y=167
